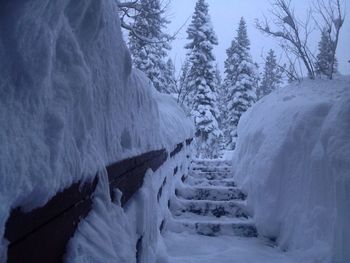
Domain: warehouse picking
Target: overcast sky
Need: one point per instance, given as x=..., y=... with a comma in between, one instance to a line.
x=225, y=16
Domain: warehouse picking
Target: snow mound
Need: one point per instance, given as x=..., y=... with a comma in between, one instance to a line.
x=70, y=103
x=293, y=158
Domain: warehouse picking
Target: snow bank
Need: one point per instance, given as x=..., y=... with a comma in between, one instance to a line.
x=293, y=158
x=69, y=101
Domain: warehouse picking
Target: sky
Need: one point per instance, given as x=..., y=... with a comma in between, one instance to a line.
x=225, y=16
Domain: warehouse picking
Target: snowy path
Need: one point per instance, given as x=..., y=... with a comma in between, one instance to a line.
x=210, y=222
x=192, y=248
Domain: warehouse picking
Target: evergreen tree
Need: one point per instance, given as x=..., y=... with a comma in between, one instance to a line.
x=185, y=94
x=272, y=76
x=149, y=48
x=222, y=105
x=218, y=79
x=221, y=98
x=325, y=56
x=240, y=82
x=221, y=95
x=169, y=77
x=202, y=80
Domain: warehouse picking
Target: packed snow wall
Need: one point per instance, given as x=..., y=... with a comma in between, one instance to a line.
x=293, y=158
x=70, y=104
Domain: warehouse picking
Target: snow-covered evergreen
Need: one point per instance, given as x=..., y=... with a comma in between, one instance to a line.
x=185, y=94
x=202, y=80
x=272, y=75
x=169, y=77
x=221, y=100
x=149, y=47
x=220, y=93
x=218, y=79
x=239, y=83
x=325, y=56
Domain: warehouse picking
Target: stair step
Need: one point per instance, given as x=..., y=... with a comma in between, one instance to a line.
x=211, y=162
x=210, y=175
x=211, y=208
x=190, y=180
x=211, y=193
x=209, y=203
x=210, y=170
x=242, y=228
x=187, y=216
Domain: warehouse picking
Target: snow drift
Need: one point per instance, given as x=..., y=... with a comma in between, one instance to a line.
x=70, y=103
x=293, y=158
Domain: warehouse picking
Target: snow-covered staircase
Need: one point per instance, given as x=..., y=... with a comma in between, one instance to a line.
x=209, y=203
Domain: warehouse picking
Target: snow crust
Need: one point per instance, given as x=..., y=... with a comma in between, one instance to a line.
x=293, y=159
x=70, y=103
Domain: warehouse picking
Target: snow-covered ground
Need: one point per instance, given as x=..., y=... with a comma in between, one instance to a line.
x=188, y=248
x=209, y=221
x=293, y=160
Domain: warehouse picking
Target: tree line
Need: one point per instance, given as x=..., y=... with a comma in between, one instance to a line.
x=216, y=105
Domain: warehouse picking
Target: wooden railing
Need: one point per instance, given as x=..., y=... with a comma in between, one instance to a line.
x=42, y=234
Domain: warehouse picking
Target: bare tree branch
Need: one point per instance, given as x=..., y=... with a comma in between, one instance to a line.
x=333, y=18
x=130, y=5
x=135, y=6
x=289, y=31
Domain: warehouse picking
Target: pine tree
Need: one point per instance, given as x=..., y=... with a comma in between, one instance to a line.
x=272, y=76
x=149, y=50
x=222, y=105
x=240, y=82
x=221, y=98
x=185, y=94
x=325, y=56
x=169, y=77
x=202, y=80
x=218, y=79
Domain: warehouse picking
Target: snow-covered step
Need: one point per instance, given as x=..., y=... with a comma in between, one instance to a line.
x=209, y=203
x=211, y=162
x=211, y=169
x=206, y=218
x=205, y=182
x=211, y=208
x=210, y=175
x=242, y=228
x=210, y=193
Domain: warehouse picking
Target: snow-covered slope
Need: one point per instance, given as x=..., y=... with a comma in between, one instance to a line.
x=293, y=158
x=69, y=101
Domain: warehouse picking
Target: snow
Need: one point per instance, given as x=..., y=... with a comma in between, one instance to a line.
x=188, y=248
x=148, y=210
x=71, y=104
x=105, y=235
x=293, y=160
x=111, y=234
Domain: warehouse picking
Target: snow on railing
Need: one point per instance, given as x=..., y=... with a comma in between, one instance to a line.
x=42, y=234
